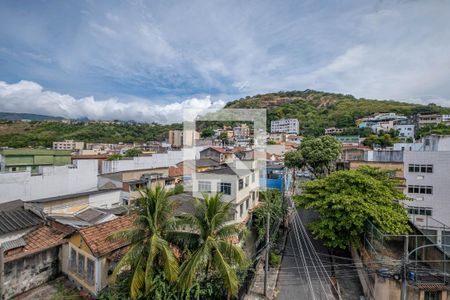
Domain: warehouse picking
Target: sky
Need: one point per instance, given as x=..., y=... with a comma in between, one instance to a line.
x=149, y=60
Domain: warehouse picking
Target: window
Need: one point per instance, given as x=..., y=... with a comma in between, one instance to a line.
x=253, y=197
x=81, y=264
x=225, y=188
x=204, y=186
x=246, y=203
x=412, y=168
x=241, y=209
x=247, y=179
x=253, y=177
x=73, y=260
x=90, y=271
x=241, y=184
x=422, y=211
x=420, y=189
x=432, y=295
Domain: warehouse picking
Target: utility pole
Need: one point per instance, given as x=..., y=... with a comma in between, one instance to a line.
x=266, y=265
x=403, y=295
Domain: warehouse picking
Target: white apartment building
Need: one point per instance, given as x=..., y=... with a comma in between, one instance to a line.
x=289, y=126
x=238, y=183
x=68, y=145
x=428, y=184
x=405, y=131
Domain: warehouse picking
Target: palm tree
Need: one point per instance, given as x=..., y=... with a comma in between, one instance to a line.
x=150, y=253
x=216, y=253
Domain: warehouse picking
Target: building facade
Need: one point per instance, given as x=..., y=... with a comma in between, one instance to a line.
x=68, y=145
x=20, y=160
x=289, y=126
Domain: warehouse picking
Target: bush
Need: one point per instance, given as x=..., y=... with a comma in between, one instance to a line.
x=274, y=259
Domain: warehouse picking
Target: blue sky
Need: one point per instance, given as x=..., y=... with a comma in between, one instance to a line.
x=101, y=59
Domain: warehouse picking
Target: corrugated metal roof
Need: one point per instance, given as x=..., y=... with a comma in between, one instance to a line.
x=20, y=242
x=17, y=219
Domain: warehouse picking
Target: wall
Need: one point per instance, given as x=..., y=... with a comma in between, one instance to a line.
x=159, y=160
x=31, y=271
x=54, y=181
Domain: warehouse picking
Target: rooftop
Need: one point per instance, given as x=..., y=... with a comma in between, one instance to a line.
x=76, y=195
x=38, y=240
x=13, y=217
x=96, y=237
x=27, y=151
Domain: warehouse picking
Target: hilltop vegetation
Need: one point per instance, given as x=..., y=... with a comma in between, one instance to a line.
x=318, y=110
x=42, y=134
x=315, y=111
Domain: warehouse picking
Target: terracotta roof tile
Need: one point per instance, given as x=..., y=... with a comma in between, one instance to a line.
x=96, y=237
x=38, y=240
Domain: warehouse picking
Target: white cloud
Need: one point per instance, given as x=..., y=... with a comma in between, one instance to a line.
x=30, y=97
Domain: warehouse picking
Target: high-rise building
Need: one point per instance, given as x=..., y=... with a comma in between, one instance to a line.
x=289, y=126
x=178, y=138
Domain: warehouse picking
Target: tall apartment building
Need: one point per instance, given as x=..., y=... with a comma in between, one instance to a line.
x=428, y=184
x=289, y=126
x=177, y=138
x=68, y=145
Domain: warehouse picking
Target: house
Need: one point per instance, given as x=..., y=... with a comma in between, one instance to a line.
x=74, y=203
x=89, y=257
x=130, y=182
x=32, y=160
x=428, y=119
x=333, y=130
x=237, y=182
x=353, y=140
x=30, y=249
x=33, y=259
x=219, y=154
x=405, y=131
x=294, y=139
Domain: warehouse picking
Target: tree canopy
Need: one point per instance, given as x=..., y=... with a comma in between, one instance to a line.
x=347, y=200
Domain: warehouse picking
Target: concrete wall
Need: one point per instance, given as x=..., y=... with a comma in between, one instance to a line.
x=26, y=273
x=159, y=160
x=54, y=181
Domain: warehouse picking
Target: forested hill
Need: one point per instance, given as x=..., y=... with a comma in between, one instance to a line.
x=318, y=110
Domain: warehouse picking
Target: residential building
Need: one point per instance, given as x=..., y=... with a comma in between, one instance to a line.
x=32, y=260
x=180, y=138
x=278, y=137
x=426, y=173
x=289, y=126
x=89, y=257
x=405, y=131
x=81, y=176
x=353, y=140
x=132, y=181
x=446, y=119
x=68, y=145
x=428, y=119
x=294, y=139
x=238, y=183
x=241, y=131
x=219, y=154
x=32, y=160
x=333, y=130
x=72, y=204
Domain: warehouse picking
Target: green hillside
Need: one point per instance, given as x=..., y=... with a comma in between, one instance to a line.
x=42, y=133
x=318, y=110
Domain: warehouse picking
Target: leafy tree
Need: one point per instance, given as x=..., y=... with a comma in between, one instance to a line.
x=150, y=253
x=346, y=200
x=133, y=152
x=223, y=137
x=207, y=132
x=216, y=255
x=115, y=156
x=271, y=201
x=319, y=154
x=294, y=160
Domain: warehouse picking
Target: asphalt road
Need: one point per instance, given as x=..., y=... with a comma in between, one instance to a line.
x=292, y=281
